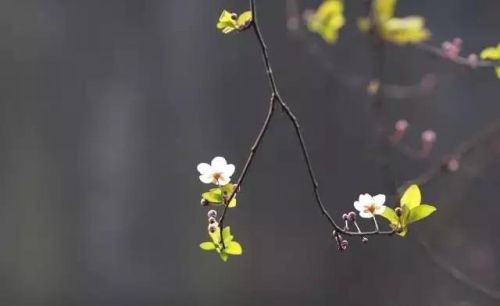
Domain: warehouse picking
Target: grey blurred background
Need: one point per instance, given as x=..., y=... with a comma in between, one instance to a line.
x=106, y=108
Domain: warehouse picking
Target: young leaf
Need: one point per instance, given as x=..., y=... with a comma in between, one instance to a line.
x=390, y=215
x=420, y=212
x=411, y=197
x=328, y=20
x=226, y=234
x=491, y=53
x=213, y=196
x=232, y=203
x=215, y=236
x=227, y=22
x=244, y=19
x=385, y=9
x=233, y=248
x=207, y=246
x=223, y=256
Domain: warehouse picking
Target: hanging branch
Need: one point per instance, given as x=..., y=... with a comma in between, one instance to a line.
x=276, y=97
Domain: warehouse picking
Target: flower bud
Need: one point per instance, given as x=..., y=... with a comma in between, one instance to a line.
x=451, y=50
x=398, y=211
x=234, y=16
x=453, y=165
x=204, y=202
x=364, y=240
x=345, y=217
x=212, y=227
x=400, y=128
x=457, y=41
x=344, y=244
x=401, y=125
x=428, y=136
x=212, y=214
x=428, y=140
x=473, y=60
x=352, y=216
x=212, y=220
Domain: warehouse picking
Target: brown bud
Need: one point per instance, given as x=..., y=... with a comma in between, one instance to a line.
x=212, y=228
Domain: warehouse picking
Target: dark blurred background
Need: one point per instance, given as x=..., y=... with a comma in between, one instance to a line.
x=106, y=108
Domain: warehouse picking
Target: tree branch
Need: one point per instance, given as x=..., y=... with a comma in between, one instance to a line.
x=276, y=97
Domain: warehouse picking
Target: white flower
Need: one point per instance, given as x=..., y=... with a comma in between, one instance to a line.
x=369, y=206
x=219, y=172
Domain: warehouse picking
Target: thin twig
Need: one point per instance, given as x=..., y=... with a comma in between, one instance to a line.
x=463, y=149
x=250, y=159
x=456, y=273
x=276, y=97
x=459, y=60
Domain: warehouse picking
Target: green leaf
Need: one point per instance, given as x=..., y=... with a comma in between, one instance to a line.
x=491, y=53
x=420, y=212
x=328, y=20
x=390, y=215
x=227, y=22
x=411, y=197
x=226, y=234
x=223, y=256
x=215, y=236
x=213, y=196
x=207, y=246
x=403, y=232
x=385, y=9
x=244, y=19
x=233, y=248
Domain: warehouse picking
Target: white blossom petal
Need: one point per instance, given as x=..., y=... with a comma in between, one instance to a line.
x=359, y=206
x=218, y=164
x=365, y=199
x=379, y=210
x=379, y=199
x=366, y=214
x=204, y=168
x=229, y=170
x=206, y=178
x=224, y=180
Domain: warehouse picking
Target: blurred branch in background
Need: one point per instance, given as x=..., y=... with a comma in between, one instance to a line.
x=378, y=89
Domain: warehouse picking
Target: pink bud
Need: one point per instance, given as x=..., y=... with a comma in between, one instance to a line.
x=457, y=41
x=428, y=139
x=428, y=136
x=450, y=50
x=399, y=130
x=401, y=125
x=473, y=60
x=453, y=165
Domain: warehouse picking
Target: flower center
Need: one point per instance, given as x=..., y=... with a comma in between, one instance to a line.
x=217, y=176
x=371, y=208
